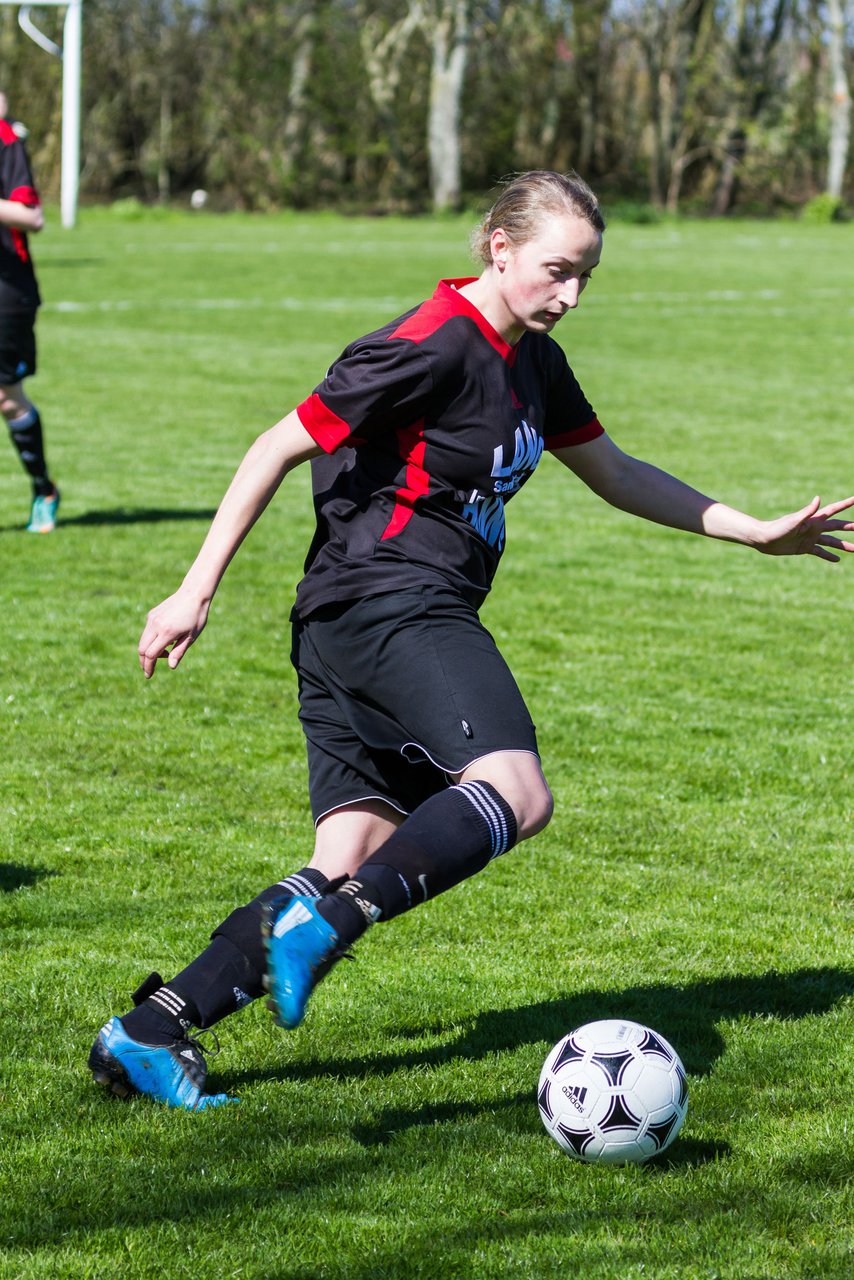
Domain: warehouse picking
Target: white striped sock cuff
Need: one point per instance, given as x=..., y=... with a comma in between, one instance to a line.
x=298, y=884
x=169, y=1001
x=496, y=813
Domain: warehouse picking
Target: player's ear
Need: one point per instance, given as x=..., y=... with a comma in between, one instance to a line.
x=500, y=246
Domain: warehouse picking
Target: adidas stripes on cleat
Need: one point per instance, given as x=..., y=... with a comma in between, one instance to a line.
x=174, y=1073
x=301, y=948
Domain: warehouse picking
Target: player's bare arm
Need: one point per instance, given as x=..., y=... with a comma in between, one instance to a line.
x=21, y=217
x=174, y=624
x=646, y=491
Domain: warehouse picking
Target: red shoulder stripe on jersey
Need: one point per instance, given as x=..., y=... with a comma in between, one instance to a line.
x=416, y=484
x=581, y=435
x=26, y=195
x=324, y=426
x=447, y=302
x=7, y=133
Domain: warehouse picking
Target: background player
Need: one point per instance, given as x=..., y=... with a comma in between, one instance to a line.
x=423, y=760
x=21, y=213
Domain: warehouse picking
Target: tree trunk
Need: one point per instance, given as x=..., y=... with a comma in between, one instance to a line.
x=383, y=53
x=449, y=35
x=840, y=103
x=295, y=120
x=164, y=186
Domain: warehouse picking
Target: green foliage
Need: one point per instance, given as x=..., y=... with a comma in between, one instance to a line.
x=703, y=105
x=823, y=209
x=130, y=209
x=639, y=212
x=690, y=702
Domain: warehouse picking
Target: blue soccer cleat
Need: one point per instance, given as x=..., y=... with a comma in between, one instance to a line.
x=174, y=1073
x=301, y=948
x=43, y=513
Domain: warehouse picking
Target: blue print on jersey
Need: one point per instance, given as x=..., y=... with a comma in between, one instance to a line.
x=486, y=513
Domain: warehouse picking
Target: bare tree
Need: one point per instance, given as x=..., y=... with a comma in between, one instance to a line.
x=448, y=24
x=840, y=104
x=757, y=32
x=304, y=38
x=674, y=36
x=384, y=46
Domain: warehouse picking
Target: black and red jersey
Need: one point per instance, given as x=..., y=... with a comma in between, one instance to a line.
x=18, y=286
x=429, y=426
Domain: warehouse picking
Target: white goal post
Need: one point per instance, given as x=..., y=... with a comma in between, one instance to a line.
x=71, y=53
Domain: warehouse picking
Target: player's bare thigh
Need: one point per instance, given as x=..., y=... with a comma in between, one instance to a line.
x=347, y=836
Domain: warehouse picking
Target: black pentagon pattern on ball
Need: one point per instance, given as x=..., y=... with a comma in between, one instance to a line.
x=570, y=1052
x=683, y=1086
x=613, y=1064
x=578, y=1141
x=661, y=1132
x=545, y=1102
x=619, y=1116
x=652, y=1044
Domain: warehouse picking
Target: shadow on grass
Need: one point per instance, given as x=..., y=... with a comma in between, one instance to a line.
x=13, y=877
x=687, y=1153
x=688, y=1016
x=66, y=1210
x=124, y=515
x=139, y=515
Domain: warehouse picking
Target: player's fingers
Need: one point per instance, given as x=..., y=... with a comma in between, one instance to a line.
x=148, y=660
x=799, y=521
x=152, y=645
x=819, y=551
x=827, y=541
x=838, y=524
x=832, y=507
x=178, y=650
x=150, y=633
x=809, y=510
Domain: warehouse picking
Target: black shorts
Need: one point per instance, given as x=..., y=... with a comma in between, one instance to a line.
x=17, y=346
x=396, y=692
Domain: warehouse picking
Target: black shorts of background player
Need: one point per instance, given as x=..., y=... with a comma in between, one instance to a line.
x=20, y=214
x=422, y=755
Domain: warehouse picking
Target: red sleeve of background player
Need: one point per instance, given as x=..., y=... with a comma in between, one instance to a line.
x=16, y=178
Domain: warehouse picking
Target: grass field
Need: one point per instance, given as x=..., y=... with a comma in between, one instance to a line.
x=692, y=702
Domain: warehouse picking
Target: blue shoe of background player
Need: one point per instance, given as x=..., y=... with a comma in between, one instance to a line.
x=301, y=948
x=43, y=513
x=174, y=1073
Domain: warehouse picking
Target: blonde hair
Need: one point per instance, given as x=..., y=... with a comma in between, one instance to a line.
x=526, y=199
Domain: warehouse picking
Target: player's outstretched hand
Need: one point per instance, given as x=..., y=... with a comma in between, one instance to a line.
x=808, y=532
x=170, y=629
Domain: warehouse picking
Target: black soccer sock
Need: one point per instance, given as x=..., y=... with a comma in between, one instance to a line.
x=447, y=839
x=27, y=437
x=226, y=976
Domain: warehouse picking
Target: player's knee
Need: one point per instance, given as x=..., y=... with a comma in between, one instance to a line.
x=537, y=810
x=518, y=778
x=12, y=401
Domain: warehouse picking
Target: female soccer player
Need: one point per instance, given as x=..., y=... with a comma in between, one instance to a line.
x=423, y=761
x=21, y=216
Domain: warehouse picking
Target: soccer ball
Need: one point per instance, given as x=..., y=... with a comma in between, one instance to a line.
x=613, y=1092
x=198, y=199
